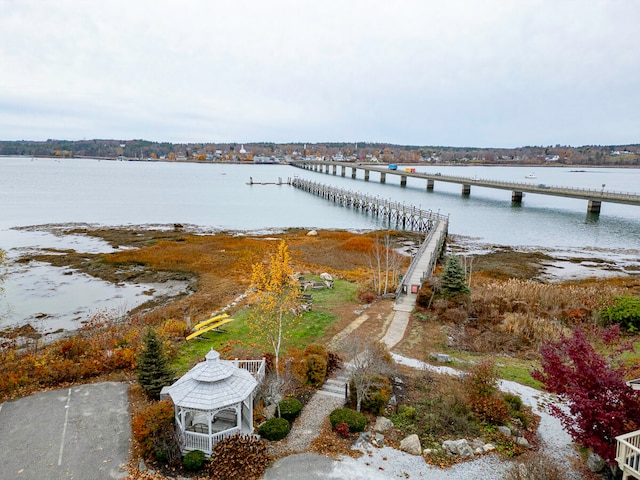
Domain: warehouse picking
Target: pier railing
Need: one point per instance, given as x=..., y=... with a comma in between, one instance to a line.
x=397, y=215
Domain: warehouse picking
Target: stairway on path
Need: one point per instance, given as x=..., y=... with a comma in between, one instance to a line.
x=309, y=424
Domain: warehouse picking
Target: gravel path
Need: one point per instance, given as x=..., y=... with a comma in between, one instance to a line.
x=307, y=426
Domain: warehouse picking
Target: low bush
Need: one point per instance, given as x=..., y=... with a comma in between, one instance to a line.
x=514, y=402
x=316, y=369
x=194, y=460
x=378, y=397
x=625, y=311
x=241, y=457
x=153, y=431
x=354, y=420
x=343, y=430
x=290, y=408
x=274, y=429
x=535, y=465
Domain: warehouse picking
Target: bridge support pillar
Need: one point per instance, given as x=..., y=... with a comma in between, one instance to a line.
x=366, y=175
x=326, y=168
x=430, y=184
x=466, y=189
x=383, y=177
x=594, y=206
x=335, y=169
x=353, y=172
x=403, y=180
x=342, y=170
x=516, y=197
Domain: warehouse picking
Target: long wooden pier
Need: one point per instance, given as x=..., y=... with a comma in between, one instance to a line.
x=594, y=197
x=398, y=216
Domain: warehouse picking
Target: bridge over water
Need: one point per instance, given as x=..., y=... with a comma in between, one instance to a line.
x=594, y=197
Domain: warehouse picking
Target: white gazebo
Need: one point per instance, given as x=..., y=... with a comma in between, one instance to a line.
x=214, y=400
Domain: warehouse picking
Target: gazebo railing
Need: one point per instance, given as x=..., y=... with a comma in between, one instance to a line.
x=254, y=367
x=204, y=442
x=628, y=454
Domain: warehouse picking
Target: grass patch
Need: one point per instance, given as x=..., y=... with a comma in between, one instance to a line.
x=312, y=328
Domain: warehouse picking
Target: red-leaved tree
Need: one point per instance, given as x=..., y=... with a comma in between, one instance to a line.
x=600, y=404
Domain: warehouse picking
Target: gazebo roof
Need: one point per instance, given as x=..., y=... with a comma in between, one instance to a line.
x=212, y=385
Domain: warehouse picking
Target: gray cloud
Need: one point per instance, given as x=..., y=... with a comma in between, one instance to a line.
x=461, y=72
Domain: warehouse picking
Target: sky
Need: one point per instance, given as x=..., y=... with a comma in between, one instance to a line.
x=490, y=73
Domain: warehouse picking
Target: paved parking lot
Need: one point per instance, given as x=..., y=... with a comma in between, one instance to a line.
x=79, y=433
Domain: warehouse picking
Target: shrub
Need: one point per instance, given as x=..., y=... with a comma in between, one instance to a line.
x=274, y=429
x=315, y=349
x=334, y=362
x=514, y=402
x=194, y=460
x=377, y=398
x=535, y=465
x=625, y=311
x=481, y=387
x=343, y=430
x=153, y=431
x=290, y=408
x=354, y=420
x=240, y=457
x=316, y=370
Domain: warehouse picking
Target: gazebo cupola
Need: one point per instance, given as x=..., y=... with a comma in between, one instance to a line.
x=214, y=400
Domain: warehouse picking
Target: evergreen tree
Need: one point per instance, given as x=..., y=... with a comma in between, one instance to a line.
x=454, y=279
x=153, y=366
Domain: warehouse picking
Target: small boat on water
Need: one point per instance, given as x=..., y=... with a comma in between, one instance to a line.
x=531, y=175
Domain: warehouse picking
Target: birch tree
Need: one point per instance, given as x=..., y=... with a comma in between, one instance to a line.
x=275, y=301
x=385, y=266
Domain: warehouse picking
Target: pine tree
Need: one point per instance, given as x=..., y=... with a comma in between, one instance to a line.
x=454, y=279
x=153, y=366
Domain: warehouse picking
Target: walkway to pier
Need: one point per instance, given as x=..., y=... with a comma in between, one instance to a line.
x=421, y=269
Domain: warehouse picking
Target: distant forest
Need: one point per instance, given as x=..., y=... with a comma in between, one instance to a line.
x=623, y=155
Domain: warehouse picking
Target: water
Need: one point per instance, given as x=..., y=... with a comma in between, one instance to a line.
x=217, y=197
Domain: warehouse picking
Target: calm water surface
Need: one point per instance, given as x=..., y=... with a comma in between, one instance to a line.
x=217, y=197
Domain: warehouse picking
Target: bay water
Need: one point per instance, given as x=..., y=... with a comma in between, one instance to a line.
x=215, y=197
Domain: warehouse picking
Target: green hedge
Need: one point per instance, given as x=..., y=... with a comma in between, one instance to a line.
x=274, y=429
x=194, y=460
x=355, y=420
x=290, y=408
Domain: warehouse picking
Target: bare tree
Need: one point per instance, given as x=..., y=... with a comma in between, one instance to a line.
x=368, y=360
x=385, y=265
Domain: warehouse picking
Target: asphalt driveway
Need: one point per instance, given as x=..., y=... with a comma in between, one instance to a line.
x=79, y=433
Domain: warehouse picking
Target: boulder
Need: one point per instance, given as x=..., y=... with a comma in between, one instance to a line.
x=489, y=447
x=504, y=430
x=411, y=445
x=595, y=463
x=312, y=233
x=382, y=424
x=522, y=442
x=326, y=276
x=441, y=357
x=459, y=448
x=270, y=411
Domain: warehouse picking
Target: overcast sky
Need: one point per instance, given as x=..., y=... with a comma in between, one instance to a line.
x=501, y=73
